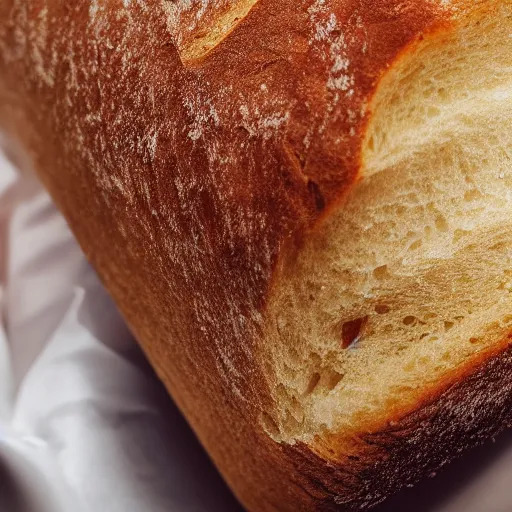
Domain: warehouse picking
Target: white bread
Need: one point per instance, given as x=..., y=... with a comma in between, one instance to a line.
x=302, y=210
x=416, y=263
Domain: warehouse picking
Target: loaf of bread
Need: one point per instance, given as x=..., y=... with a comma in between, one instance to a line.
x=303, y=210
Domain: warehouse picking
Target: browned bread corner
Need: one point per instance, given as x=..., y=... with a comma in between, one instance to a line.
x=301, y=209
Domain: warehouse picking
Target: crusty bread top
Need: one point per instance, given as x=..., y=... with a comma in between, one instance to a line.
x=187, y=144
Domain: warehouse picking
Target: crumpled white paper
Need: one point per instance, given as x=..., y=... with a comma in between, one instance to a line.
x=84, y=424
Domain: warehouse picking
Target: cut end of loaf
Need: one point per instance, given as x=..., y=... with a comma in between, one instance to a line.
x=411, y=278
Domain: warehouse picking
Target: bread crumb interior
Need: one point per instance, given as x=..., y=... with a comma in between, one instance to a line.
x=412, y=276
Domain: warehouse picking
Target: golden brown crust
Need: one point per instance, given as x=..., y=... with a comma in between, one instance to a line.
x=184, y=180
